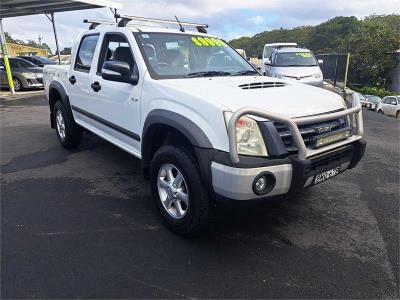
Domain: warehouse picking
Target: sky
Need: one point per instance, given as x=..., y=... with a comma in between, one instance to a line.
x=228, y=19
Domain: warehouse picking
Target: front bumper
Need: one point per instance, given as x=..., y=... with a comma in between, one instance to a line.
x=294, y=172
x=291, y=175
x=32, y=82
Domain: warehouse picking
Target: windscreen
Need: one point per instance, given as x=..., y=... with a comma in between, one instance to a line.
x=294, y=59
x=374, y=99
x=170, y=55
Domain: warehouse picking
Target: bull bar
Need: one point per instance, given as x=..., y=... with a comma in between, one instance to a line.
x=356, y=121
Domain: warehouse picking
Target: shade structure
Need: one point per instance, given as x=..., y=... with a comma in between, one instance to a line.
x=19, y=8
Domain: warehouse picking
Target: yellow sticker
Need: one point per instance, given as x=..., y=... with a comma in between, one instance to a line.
x=208, y=42
x=203, y=41
x=196, y=42
x=304, y=54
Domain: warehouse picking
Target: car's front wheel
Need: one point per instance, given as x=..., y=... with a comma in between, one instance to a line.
x=179, y=192
x=68, y=132
x=17, y=84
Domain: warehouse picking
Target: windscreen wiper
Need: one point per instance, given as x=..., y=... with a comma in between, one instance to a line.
x=248, y=72
x=208, y=74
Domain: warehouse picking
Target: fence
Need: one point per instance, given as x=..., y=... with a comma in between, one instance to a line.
x=335, y=68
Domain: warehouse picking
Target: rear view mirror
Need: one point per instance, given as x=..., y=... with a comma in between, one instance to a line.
x=320, y=61
x=119, y=71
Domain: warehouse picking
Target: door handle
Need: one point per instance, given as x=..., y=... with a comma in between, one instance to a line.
x=72, y=79
x=96, y=86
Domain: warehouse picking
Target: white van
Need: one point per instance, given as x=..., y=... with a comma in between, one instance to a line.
x=297, y=64
x=268, y=49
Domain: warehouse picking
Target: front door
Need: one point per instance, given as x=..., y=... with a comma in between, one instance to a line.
x=118, y=103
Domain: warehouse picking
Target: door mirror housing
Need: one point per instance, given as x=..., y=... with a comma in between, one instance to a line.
x=119, y=71
x=267, y=62
x=320, y=61
x=393, y=102
x=1, y=67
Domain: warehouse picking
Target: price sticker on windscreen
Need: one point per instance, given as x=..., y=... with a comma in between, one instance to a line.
x=304, y=54
x=208, y=42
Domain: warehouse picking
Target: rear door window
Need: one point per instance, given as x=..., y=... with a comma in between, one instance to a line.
x=85, y=53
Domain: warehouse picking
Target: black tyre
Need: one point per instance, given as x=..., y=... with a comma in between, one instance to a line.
x=380, y=111
x=398, y=115
x=179, y=192
x=68, y=132
x=17, y=84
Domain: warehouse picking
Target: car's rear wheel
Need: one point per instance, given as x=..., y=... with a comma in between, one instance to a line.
x=380, y=111
x=179, y=192
x=17, y=84
x=68, y=132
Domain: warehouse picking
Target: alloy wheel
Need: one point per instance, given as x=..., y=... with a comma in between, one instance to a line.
x=173, y=191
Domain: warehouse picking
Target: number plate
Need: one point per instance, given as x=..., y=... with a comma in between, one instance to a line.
x=326, y=175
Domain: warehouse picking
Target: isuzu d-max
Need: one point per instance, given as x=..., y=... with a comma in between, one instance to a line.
x=205, y=124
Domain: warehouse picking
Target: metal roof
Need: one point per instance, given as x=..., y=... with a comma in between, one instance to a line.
x=16, y=8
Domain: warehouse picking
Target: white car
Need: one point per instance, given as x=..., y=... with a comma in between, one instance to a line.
x=205, y=124
x=390, y=106
x=372, y=102
x=267, y=52
x=297, y=64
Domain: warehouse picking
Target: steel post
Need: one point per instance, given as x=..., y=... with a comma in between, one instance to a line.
x=5, y=57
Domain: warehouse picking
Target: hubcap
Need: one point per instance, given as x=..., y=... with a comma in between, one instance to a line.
x=17, y=85
x=60, y=124
x=173, y=191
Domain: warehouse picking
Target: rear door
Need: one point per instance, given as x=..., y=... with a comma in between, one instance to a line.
x=118, y=103
x=392, y=106
x=80, y=91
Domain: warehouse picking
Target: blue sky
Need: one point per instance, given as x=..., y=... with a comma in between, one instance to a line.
x=227, y=18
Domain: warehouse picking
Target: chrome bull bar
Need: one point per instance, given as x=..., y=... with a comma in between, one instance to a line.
x=356, y=120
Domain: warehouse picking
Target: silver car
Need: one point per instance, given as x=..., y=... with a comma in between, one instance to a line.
x=25, y=74
x=297, y=64
x=372, y=102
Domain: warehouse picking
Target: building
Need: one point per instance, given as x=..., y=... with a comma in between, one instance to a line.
x=17, y=49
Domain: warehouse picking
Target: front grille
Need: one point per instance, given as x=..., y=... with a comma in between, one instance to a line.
x=261, y=85
x=308, y=132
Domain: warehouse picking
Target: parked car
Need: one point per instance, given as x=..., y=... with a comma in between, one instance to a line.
x=65, y=59
x=390, y=106
x=38, y=60
x=205, y=124
x=297, y=64
x=372, y=102
x=242, y=52
x=363, y=100
x=25, y=74
x=267, y=52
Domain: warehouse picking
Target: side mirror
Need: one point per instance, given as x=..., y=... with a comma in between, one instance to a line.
x=394, y=103
x=320, y=61
x=267, y=62
x=119, y=71
x=1, y=67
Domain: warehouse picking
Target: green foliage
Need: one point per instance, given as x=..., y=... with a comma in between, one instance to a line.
x=371, y=42
x=367, y=90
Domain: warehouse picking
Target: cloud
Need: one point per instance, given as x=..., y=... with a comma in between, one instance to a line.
x=227, y=18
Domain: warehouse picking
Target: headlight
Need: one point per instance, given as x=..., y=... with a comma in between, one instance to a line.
x=248, y=136
x=29, y=75
x=318, y=75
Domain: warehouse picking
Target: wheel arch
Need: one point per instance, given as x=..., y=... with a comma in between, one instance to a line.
x=161, y=124
x=58, y=93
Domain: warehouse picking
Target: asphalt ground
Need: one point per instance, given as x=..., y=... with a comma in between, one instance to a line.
x=78, y=224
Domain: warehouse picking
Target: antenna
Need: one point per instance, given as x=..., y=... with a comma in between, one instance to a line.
x=180, y=25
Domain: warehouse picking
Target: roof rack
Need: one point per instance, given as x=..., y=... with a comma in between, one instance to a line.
x=95, y=23
x=126, y=19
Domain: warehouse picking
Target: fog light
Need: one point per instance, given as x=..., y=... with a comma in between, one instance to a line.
x=264, y=183
x=261, y=183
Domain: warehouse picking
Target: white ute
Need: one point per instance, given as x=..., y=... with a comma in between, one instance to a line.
x=205, y=124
